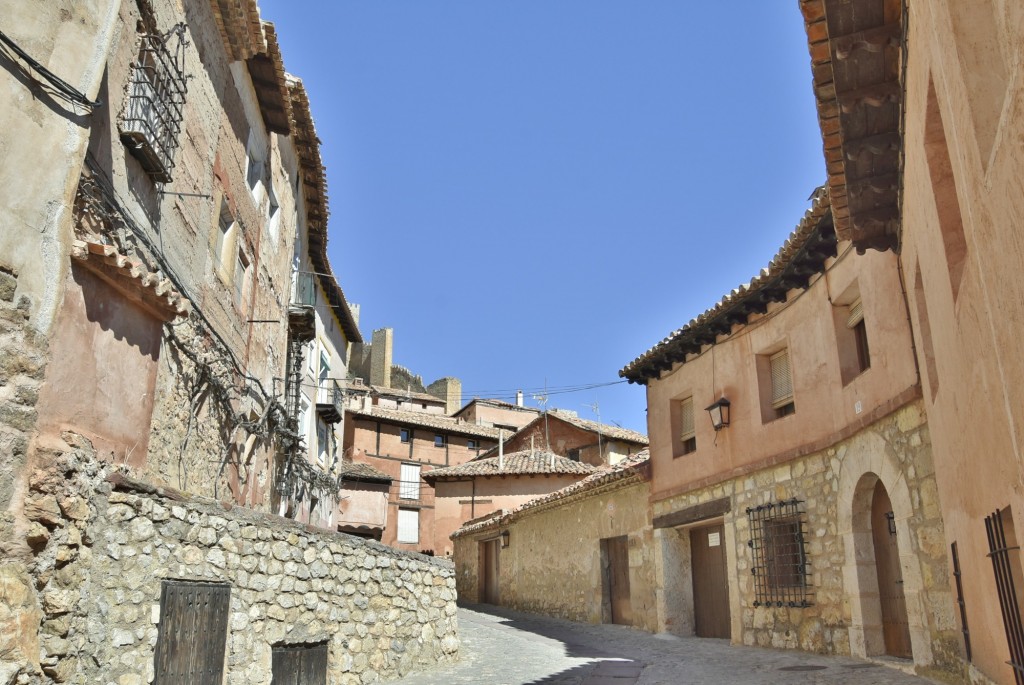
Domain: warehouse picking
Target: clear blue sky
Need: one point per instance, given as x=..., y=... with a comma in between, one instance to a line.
x=536, y=192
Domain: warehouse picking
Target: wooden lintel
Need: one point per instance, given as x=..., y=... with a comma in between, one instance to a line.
x=699, y=512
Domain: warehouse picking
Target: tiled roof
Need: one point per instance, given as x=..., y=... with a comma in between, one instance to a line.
x=314, y=188
x=270, y=84
x=613, y=432
x=362, y=472
x=803, y=254
x=497, y=403
x=239, y=25
x=633, y=467
x=526, y=462
x=130, y=276
x=422, y=418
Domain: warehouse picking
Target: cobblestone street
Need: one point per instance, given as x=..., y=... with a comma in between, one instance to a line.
x=503, y=647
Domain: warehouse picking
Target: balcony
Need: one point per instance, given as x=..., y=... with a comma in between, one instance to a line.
x=329, y=401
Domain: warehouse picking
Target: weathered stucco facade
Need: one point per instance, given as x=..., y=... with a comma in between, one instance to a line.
x=607, y=505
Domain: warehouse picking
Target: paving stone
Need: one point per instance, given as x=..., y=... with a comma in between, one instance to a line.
x=505, y=647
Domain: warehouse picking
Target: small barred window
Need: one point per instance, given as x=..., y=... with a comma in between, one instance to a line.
x=780, y=561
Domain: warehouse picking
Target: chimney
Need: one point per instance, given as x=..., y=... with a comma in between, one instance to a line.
x=519, y=398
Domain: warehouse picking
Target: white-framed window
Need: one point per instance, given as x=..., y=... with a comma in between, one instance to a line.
x=241, y=274
x=782, y=383
x=304, y=413
x=323, y=443
x=409, y=526
x=325, y=367
x=409, y=482
x=687, y=429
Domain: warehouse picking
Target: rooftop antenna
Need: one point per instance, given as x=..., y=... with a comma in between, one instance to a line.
x=542, y=400
x=597, y=411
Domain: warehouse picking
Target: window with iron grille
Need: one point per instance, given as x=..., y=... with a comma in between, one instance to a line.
x=1005, y=555
x=779, y=557
x=150, y=123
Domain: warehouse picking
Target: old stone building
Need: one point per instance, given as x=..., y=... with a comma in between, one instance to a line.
x=808, y=518
x=920, y=109
x=481, y=486
x=505, y=556
x=159, y=170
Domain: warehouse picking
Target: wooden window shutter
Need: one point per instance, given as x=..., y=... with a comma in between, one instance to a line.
x=856, y=314
x=193, y=632
x=409, y=484
x=408, y=525
x=687, y=430
x=782, y=381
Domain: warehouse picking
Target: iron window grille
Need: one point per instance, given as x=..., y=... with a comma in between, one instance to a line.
x=1006, y=566
x=780, y=560
x=150, y=123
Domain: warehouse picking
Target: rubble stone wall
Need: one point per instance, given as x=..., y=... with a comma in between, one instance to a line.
x=103, y=544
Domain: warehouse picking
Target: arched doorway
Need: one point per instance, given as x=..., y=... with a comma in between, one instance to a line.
x=891, y=598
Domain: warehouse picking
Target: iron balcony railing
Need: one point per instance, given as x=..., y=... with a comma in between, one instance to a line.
x=330, y=401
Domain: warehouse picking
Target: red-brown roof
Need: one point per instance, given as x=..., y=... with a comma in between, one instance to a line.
x=524, y=463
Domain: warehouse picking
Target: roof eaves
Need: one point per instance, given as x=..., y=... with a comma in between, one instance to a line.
x=803, y=254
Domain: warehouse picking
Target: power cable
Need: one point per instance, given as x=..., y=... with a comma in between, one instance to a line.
x=60, y=85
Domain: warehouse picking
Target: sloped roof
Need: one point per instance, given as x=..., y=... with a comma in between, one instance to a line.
x=496, y=403
x=266, y=70
x=613, y=432
x=526, y=462
x=314, y=185
x=362, y=472
x=632, y=469
x=801, y=256
x=148, y=289
x=438, y=422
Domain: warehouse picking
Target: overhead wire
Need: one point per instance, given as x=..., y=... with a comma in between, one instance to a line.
x=62, y=87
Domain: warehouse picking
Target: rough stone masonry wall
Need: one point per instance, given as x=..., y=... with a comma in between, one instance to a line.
x=817, y=479
x=103, y=544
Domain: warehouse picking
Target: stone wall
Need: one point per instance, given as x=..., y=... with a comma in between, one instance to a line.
x=835, y=487
x=553, y=562
x=103, y=543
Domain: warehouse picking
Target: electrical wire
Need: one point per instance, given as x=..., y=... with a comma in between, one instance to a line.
x=64, y=88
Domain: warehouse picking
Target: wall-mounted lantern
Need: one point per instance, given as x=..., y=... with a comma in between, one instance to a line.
x=719, y=412
x=504, y=539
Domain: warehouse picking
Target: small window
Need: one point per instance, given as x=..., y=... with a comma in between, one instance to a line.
x=779, y=559
x=325, y=367
x=782, y=384
x=323, y=440
x=471, y=444
x=573, y=454
x=687, y=432
x=409, y=526
x=404, y=434
x=851, y=338
x=409, y=484
x=439, y=441
x=241, y=275
x=855, y=323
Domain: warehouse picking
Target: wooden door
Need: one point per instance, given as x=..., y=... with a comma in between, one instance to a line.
x=895, y=627
x=489, y=572
x=710, y=582
x=299, y=665
x=615, y=568
x=193, y=633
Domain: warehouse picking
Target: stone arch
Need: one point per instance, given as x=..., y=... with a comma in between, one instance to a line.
x=868, y=460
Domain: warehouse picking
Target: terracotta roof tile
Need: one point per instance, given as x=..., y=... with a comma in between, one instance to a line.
x=130, y=276
x=526, y=462
x=362, y=472
x=421, y=418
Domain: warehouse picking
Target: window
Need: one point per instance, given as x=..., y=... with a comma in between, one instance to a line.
x=304, y=417
x=687, y=431
x=325, y=367
x=409, y=482
x=1005, y=554
x=779, y=560
x=439, y=441
x=222, y=235
x=851, y=336
x=241, y=275
x=573, y=454
x=404, y=435
x=471, y=444
x=409, y=526
x=782, y=384
x=323, y=441
x=150, y=123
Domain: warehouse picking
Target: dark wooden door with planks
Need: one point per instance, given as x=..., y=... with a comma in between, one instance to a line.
x=895, y=626
x=615, y=569
x=710, y=582
x=489, y=568
x=300, y=665
x=193, y=633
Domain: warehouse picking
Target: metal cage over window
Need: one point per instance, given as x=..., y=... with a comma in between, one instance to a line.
x=150, y=123
x=780, y=561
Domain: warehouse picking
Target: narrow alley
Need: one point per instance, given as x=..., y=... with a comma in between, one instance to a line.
x=505, y=647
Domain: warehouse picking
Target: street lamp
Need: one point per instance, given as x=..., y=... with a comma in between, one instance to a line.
x=719, y=412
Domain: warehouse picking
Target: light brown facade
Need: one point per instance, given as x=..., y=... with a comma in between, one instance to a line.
x=956, y=163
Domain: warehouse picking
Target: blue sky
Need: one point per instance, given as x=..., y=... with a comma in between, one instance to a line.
x=534, y=193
